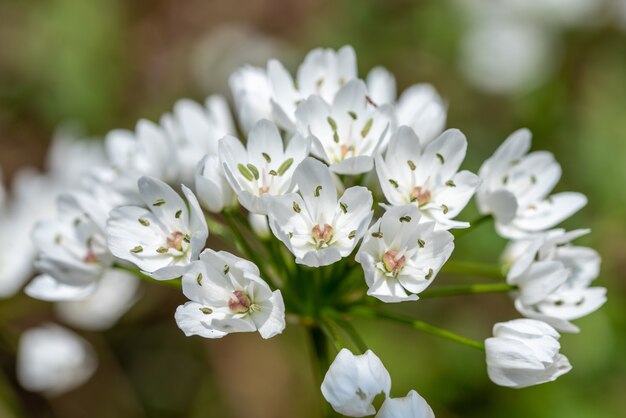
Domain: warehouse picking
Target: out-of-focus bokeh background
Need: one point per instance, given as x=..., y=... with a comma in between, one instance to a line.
x=557, y=67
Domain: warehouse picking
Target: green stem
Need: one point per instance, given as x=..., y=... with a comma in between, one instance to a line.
x=249, y=252
x=349, y=329
x=175, y=283
x=473, y=269
x=463, y=289
x=421, y=326
x=458, y=233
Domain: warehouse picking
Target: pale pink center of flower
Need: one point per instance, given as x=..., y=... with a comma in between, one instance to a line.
x=322, y=234
x=90, y=257
x=263, y=190
x=175, y=240
x=240, y=303
x=422, y=196
x=393, y=262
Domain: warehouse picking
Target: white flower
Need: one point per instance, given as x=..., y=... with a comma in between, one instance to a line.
x=323, y=72
x=316, y=227
x=72, y=252
x=162, y=237
x=400, y=255
x=264, y=168
x=211, y=185
x=196, y=130
x=348, y=132
x=411, y=406
x=419, y=107
x=53, y=360
x=115, y=293
x=352, y=382
x=428, y=177
x=147, y=151
x=516, y=186
x=252, y=92
x=554, y=279
x=524, y=352
x=227, y=295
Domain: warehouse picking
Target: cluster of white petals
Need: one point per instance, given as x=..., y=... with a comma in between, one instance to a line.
x=524, y=352
x=554, y=278
x=352, y=382
x=516, y=189
x=142, y=206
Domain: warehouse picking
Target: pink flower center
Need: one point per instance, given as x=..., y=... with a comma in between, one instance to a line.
x=420, y=195
x=393, y=262
x=263, y=190
x=322, y=234
x=240, y=303
x=175, y=240
x=90, y=257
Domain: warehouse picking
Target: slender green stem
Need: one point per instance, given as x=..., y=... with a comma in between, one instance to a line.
x=463, y=289
x=247, y=248
x=473, y=269
x=349, y=330
x=458, y=233
x=419, y=325
x=175, y=283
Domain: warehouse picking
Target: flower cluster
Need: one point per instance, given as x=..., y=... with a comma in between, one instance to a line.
x=320, y=149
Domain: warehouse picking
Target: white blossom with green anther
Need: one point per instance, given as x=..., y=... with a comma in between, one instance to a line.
x=516, y=189
x=162, y=237
x=72, y=252
x=411, y=406
x=53, y=360
x=227, y=295
x=348, y=131
x=524, y=352
x=427, y=177
x=115, y=293
x=195, y=131
x=147, y=151
x=211, y=185
x=401, y=255
x=420, y=106
x=352, y=382
x=264, y=168
x=316, y=226
x=323, y=72
x=554, y=279
x=251, y=92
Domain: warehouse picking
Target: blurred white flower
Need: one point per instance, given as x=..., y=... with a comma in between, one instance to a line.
x=411, y=406
x=516, y=186
x=352, y=382
x=227, y=295
x=554, y=279
x=196, y=130
x=148, y=151
x=316, y=226
x=524, y=352
x=162, y=237
x=420, y=107
x=115, y=293
x=72, y=253
x=322, y=73
x=252, y=92
x=401, y=256
x=53, y=360
x=506, y=56
x=264, y=168
x=347, y=133
x=429, y=177
x=211, y=186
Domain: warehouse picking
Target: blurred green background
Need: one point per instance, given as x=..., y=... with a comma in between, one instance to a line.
x=106, y=63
